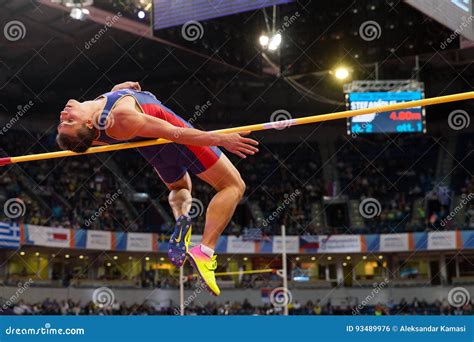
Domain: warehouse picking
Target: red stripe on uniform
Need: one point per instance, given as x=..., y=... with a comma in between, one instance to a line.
x=203, y=153
x=158, y=112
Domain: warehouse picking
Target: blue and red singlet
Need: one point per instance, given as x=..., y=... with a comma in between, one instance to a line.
x=171, y=161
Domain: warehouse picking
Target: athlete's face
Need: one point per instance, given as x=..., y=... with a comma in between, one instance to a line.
x=72, y=117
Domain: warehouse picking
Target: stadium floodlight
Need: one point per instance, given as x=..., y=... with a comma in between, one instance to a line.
x=74, y=3
x=275, y=42
x=141, y=14
x=79, y=13
x=341, y=73
x=264, y=40
x=271, y=43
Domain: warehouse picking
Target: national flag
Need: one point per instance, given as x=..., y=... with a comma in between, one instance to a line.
x=9, y=235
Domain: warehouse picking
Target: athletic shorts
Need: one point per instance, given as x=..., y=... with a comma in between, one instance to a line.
x=172, y=161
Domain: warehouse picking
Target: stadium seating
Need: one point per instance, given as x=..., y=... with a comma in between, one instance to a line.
x=416, y=307
x=284, y=186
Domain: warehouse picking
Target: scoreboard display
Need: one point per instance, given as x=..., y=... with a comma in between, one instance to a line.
x=410, y=120
x=168, y=13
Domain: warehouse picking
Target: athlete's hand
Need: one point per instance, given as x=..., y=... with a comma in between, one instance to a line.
x=238, y=144
x=127, y=85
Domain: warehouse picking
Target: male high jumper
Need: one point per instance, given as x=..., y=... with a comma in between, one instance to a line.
x=128, y=114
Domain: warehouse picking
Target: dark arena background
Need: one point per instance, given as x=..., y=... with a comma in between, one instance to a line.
x=365, y=215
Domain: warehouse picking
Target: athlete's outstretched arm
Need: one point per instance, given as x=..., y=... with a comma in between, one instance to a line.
x=129, y=123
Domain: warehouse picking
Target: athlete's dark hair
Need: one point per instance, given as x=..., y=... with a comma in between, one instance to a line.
x=79, y=142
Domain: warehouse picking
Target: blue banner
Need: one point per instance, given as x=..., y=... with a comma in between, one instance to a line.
x=449, y=240
x=237, y=328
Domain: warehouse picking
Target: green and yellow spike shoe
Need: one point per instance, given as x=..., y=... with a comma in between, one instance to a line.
x=205, y=268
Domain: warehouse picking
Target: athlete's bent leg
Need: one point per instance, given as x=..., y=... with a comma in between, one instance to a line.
x=180, y=200
x=226, y=180
x=180, y=196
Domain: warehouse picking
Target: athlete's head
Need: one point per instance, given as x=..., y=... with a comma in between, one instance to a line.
x=76, y=131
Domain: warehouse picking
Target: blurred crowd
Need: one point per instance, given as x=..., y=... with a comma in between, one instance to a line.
x=284, y=182
x=404, y=307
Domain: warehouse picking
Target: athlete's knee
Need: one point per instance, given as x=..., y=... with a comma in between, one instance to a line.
x=182, y=184
x=242, y=187
x=239, y=187
x=176, y=187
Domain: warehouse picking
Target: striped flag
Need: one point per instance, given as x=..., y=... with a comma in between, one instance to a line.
x=9, y=235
